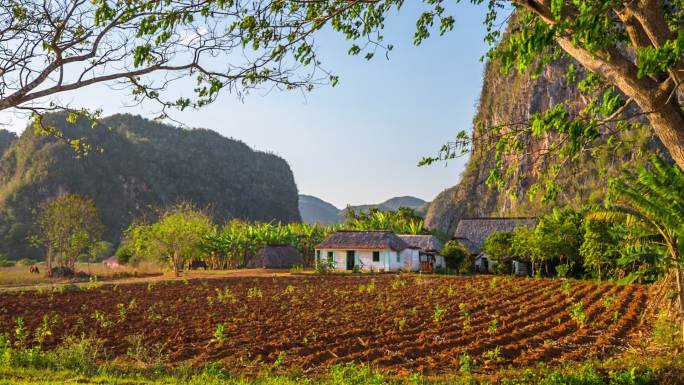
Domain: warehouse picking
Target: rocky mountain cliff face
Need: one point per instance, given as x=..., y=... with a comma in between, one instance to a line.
x=143, y=166
x=510, y=99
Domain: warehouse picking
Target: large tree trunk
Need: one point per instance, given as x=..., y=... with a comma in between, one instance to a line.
x=658, y=98
x=668, y=124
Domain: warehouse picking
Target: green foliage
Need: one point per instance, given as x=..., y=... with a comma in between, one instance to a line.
x=175, y=239
x=69, y=226
x=601, y=248
x=649, y=206
x=402, y=221
x=498, y=248
x=455, y=255
x=577, y=313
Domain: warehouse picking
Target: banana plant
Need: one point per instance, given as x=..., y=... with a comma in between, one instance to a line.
x=650, y=205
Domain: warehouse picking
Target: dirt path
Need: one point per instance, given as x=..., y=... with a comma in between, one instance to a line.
x=195, y=274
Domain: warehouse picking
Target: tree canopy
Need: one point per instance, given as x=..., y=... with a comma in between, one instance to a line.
x=69, y=226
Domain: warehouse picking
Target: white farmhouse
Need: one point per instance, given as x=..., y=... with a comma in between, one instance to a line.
x=376, y=251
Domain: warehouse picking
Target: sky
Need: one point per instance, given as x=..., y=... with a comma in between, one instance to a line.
x=360, y=141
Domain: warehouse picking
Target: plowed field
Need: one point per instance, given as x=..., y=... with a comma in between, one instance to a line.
x=400, y=323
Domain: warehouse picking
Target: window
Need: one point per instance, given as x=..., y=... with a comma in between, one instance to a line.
x=376, y=256
x=398, y=257
x=331, y=256
x=318, y=256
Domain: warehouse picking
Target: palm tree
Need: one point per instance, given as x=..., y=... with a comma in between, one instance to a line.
x=650, y=204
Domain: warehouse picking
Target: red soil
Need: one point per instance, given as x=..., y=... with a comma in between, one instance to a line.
x=319, y=321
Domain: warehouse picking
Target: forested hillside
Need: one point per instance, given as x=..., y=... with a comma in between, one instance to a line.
x=134, y=167
x=6, y=139
x=511, y=99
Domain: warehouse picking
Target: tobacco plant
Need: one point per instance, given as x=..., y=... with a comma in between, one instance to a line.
x=219, y=334
x=254, y=292
x=493, y=326
x=438, y=313
x=577, y=313
x=465, y=314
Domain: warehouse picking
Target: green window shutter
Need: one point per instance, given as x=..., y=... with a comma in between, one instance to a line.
x=398, y=257
x=331, y=256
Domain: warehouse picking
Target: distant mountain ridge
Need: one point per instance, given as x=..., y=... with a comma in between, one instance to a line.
x=315, y=210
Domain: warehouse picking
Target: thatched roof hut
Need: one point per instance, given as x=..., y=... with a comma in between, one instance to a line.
x=276, y=257
x=363, y=240
x=473, y=232
x=424, y=243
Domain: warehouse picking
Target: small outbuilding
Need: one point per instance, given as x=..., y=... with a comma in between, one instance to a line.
x=276, y=257
x=429, y=249
x=112, y=262
x=472, y=233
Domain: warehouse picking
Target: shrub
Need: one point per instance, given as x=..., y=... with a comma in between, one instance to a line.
x=25, y=262
x=455, y=254
x=4, y=262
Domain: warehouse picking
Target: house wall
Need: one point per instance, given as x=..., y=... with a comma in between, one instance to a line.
x=364, y=258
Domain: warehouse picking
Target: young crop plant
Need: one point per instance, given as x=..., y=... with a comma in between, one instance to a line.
x=400, y=322
x=219, y=334
x=398, y=283
x=492, y=283
x=102, y=319
x=280, y=361
x=254, y=292
x=290, y=289
x=438, y=313
x=123, y=311
x=493, y=326
x=609, y=301
x=93, y=283
x=566, y=288
x=493, y=356
x=451, y=292
x=20, y=333
x=465, y=314
x=44, y=330
x=577, y=313
x=466, y=363
x=226, y=295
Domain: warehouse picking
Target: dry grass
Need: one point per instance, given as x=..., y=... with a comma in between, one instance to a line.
x=20, y=275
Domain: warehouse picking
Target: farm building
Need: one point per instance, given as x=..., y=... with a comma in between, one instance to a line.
x=472, y=233
x=112, y=262
x=276, y=257
x=376, y=251
x=429, y=248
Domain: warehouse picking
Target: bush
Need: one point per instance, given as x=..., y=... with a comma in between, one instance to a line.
x=445, y=271
x=455, y=254
x=498, y=249
x=4, y=262
x=26, y=262
x=324, y=267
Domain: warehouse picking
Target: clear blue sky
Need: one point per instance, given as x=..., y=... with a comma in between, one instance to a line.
x=360, y=141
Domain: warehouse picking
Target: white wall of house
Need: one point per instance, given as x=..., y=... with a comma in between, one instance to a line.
x=389, y=260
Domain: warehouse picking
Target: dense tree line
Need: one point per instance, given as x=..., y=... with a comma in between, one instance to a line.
x=634, y=237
